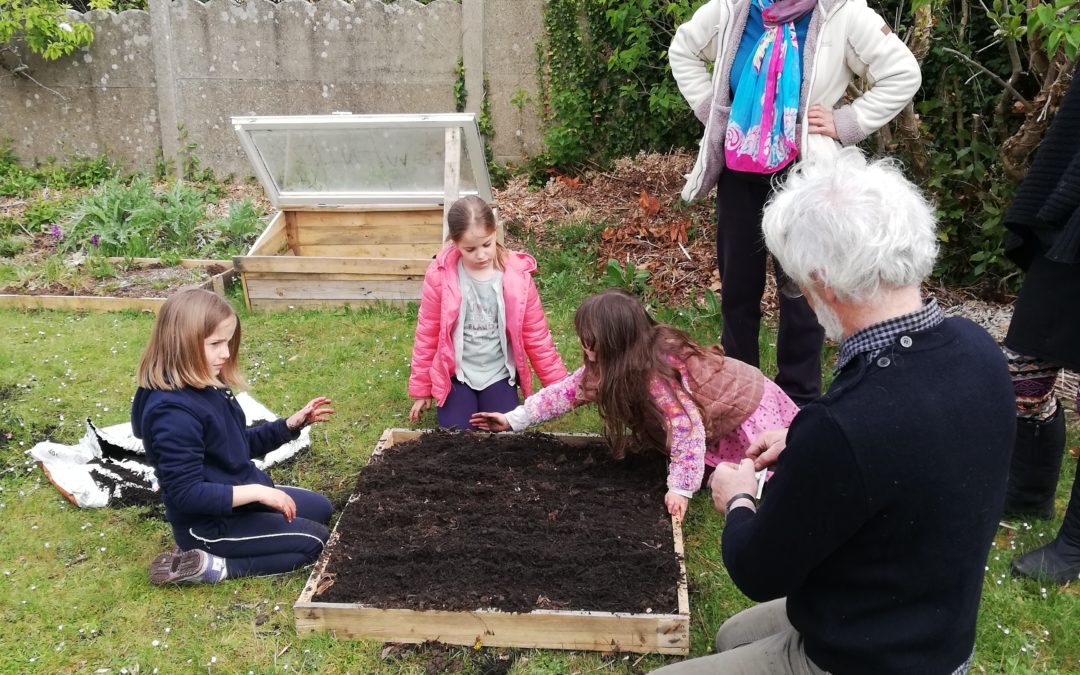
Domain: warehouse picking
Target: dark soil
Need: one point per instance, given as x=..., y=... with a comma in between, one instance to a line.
x=462, y=521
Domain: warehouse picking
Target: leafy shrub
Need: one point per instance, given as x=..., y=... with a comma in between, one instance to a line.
x=606, y=87
x=42, y=212
x=131, y=220
x=233, y=234
x=11, y=246
x=134, y=221
x=43, y=25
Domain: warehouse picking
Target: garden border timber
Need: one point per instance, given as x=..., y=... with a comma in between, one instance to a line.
x=106, y=303
x=541, y=629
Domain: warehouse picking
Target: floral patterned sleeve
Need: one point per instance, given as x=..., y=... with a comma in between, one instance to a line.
x=554, y=400
x=686, y=434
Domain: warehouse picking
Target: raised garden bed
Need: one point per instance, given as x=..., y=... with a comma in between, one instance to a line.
x=524, y=540
x=139, y=283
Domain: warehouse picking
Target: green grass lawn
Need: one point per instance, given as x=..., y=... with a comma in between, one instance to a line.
x=74, y=587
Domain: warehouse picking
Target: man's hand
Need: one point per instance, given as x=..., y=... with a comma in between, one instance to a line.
x=766, y=448
x=731, y=479
x=676, y=504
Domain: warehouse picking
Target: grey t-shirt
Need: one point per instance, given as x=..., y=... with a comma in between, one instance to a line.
x=483, y=353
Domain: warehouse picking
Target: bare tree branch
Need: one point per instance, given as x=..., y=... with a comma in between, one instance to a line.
x=994, y=76
x=20, y=69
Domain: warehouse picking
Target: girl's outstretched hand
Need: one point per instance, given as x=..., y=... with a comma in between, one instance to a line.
x=490, y=421
x=316, y=410
x=418, y=408
x=676, y=504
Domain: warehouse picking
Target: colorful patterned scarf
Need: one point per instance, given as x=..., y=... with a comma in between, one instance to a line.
x=761, y=131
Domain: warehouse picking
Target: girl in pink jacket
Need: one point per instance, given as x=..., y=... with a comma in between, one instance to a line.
x=655, y=387
x=480, y=325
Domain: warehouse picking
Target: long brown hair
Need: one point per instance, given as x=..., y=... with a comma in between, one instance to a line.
x=629, y=347
x=469, y=211
x=175, y=357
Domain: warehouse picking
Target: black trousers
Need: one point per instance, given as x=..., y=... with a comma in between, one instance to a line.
x=741, y=257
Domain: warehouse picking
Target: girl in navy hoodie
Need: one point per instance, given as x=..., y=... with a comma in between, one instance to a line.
x=228, y=517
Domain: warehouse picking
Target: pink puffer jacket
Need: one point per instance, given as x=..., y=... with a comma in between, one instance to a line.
x=434, y=360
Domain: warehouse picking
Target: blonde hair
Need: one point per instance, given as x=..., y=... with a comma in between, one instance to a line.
x=467, y=212
x=175, y=357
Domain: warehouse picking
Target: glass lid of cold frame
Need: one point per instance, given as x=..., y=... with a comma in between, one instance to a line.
x=344, y=159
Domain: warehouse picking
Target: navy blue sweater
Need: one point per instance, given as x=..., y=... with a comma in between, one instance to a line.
x=199, y=445
x=880, y=516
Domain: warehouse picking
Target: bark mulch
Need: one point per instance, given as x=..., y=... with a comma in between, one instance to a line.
x=514, y=522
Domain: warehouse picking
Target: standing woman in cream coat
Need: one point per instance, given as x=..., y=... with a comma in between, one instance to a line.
x=779, y=70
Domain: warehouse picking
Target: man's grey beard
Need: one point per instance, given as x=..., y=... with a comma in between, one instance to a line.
x=834, y=330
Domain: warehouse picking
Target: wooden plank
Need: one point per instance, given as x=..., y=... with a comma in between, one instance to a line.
x=279, y=305
x=81, y=303
x=247, y=296
x=451, y=174
x=368, y=235
x=187, y=263
x=418, y=250
x=333, y=265
x=362, y=208
x=317, y=277
x=596, y=631
x=291, y=232
x=272, y=240
x=541, y=629
x=218, y=281
x=430, y=216
x=334, y=290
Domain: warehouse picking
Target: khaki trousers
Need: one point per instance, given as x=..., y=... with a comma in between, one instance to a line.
x=757, y=641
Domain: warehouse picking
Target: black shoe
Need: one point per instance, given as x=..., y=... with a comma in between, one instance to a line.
x=1056, y=563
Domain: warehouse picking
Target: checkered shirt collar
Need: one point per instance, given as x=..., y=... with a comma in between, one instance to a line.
x=874, y=338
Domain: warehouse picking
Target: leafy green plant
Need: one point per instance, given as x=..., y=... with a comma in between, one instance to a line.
x=606, y=87
x=43, y=212
x=131, y=220
x=1059, y=24
x=13, y=245
x=106, y=213
x=233, y=234
x=99, y=267
x=629, y=276
x=991, y=73
x=45, y=27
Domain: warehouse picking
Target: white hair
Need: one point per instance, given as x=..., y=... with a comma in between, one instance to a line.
x=854, y=225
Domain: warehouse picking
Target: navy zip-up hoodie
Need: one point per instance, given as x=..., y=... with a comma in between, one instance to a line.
x=199, y=445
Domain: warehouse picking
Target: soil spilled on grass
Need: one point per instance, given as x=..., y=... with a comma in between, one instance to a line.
x=516, y=522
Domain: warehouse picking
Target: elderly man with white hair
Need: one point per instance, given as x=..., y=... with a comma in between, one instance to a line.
x=869, y=548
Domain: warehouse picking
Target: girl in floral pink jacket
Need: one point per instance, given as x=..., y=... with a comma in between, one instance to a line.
x=694, y=404
x=480, y=326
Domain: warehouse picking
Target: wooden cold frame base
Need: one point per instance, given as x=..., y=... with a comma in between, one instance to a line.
x=322, y=258
x=543, y=629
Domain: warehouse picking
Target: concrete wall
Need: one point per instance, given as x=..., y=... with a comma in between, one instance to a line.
x=174, y=75
x=101, y=99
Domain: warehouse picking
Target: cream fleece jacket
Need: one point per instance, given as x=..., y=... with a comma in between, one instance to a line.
x=845, y=39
